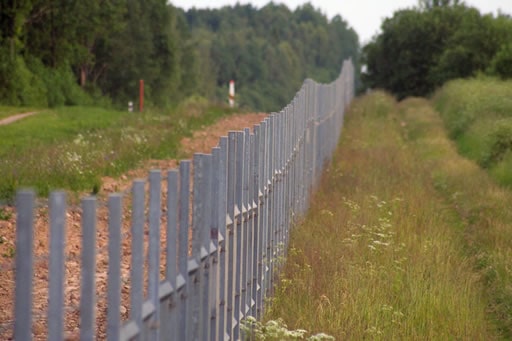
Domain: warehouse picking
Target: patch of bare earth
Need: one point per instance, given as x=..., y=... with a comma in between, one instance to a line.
x=15, y=118
x=201, y=141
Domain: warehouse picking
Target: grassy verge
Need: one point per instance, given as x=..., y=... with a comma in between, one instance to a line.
x=6, y=111
x=72, y=147
x=382, y=255
x=478, y=116
x=481, y=204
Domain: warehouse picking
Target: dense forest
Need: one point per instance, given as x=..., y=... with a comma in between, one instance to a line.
x=67, y=52
x=421, y=48
x=268, y=52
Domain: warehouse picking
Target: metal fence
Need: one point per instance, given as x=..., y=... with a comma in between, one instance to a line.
x=226, y=218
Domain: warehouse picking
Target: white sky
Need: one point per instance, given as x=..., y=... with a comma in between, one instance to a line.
x=365, y=16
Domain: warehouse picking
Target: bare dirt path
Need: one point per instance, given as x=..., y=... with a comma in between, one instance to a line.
x=201, y=141
x=15, y=118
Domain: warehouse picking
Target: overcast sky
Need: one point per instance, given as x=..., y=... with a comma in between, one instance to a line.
x=365, y=16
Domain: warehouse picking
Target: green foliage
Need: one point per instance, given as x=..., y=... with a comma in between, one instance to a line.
x=478, y=115
x=78, y=53
x=420, y=49
x=268, y=52
x=19, y=85
x=53, y=52
x=4, y=215
x=499, y=143
x=501, y=64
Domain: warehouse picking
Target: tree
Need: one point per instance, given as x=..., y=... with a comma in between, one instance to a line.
x=269, y=51
x=418, y=50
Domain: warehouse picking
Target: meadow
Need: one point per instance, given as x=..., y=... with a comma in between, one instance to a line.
x=405, y=239
x=73, y=147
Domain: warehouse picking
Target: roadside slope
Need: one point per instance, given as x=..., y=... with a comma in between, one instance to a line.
x=382, y=254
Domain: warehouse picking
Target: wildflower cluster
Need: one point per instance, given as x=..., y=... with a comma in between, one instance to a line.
x=254, y=330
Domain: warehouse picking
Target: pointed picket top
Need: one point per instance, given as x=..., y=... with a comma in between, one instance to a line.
x=220, y=237
x=203, y=253
x=237, y=211
x=180, y=282
x=213, y=248
x=229, y=222
x=192, y=266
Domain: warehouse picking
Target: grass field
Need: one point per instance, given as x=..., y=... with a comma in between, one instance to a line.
x=405, y=239
x=72, y=147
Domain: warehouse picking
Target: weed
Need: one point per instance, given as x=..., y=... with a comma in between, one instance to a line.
x=4, y=214
x=276, y=330
x=11, y=253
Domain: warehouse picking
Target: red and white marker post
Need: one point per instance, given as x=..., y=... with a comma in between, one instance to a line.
x=231, y=93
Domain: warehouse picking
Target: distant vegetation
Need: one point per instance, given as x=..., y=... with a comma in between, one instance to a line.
x=478, y=115
x=421, y=48
x=268, y=52
x=55, y=53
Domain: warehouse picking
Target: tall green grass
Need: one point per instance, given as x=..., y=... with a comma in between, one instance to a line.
x=481, y=204
x=381, y=254
x=478, y=116
x=73, y=147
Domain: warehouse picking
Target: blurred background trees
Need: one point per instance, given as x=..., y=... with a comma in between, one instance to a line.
x=419, y=49
x=61, y=52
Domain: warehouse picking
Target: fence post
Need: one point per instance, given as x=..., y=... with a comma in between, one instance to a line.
x=231, y=247
x=247, y=227
x=154, y=250
x=88, y=272
x=56, y=268
x=201, y=238
x=223, y=217
x=171, y=273
x=183, y=216
x=114, y=267
x=24, y=265
x=255, y=200
x=240, y=233
x=137, y=266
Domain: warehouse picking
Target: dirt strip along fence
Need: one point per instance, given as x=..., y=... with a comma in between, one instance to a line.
x=205, y=248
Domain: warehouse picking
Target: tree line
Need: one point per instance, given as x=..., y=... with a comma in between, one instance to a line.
x=421, y=48
x=66, y=52
x=268, y=51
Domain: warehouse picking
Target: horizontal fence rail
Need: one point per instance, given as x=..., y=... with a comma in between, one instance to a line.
x=205, y=241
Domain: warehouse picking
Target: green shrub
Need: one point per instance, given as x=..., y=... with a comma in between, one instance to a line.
x=19, y=86
x=501, y=64
x=501, y=171
x=59, y=84
x=461, y=103
x=498, y=142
